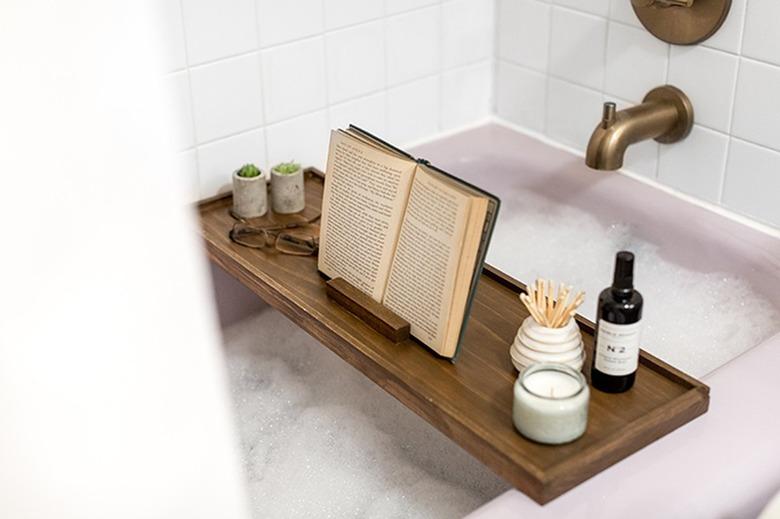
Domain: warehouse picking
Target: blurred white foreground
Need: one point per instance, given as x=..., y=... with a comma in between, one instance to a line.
x=113, y=398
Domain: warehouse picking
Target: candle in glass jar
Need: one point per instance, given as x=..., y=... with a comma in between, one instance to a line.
x=551, y=403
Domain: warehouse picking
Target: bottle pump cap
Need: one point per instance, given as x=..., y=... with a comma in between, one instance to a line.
x=624, y=270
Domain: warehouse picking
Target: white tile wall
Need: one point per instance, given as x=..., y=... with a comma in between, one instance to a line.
x=413, y=45
x=757, y=105
x=265, y=80
x=696, y=165
x=466, y=94
x=397, y=6
x=285, y=20
x=572, y=112
x=413, y=110
x=714, y=95
x=522, y=98
x=226, y=97
x=174, y=54
x=599, y=7
x=621, y=11
x=467, y=32
x=753, y=181
x=761, y=38
x=364, y=44
x=339, y=13
x=239, y=150
x=577, y=45
x=729, y=36
x=284, y=139
x=179, y=84
x=366, y=112
x=524, y=33
x=627, y=46
x=294, y=79
x=558, y=60
x=215, y=30
x=188, y=171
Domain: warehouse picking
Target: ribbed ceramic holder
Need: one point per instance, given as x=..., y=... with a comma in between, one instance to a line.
x=535, y=343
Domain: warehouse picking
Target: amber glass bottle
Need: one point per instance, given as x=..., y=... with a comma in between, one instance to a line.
x=618, y=330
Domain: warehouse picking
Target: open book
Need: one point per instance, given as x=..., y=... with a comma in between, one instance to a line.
x=409, y=235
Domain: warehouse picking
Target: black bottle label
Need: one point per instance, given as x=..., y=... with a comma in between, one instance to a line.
x=617, y=348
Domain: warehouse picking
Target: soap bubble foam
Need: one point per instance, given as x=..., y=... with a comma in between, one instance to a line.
x=695, y=321
x=321, y=440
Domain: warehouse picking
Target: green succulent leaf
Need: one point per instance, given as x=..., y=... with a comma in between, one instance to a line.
x=287, y=168
x=249, y=171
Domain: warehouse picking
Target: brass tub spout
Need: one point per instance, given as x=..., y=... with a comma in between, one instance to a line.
x=666, y=115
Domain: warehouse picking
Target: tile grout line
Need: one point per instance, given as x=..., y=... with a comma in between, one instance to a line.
x=737, y=56
x=493, y=104
x=440, y=67
x=192, y=100
x=386, y=79
x=658, y=148
x=722, y=184
x=605, y=56
x=547, y=73
x=326, y=82
x=261, y=72
x=228, y=57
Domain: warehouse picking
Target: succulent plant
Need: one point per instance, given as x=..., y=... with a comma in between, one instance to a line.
x=287, y=168
x=249, y=171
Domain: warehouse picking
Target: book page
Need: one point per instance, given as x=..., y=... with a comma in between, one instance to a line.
x=424, y=269
x=365, y=194
x=467, y=268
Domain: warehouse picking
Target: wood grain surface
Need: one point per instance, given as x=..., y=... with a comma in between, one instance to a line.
x=376, y=315
x=470, y=400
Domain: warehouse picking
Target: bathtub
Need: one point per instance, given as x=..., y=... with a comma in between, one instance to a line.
x=723, y=464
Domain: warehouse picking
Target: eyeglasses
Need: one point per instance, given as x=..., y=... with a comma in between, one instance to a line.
x=276, y=236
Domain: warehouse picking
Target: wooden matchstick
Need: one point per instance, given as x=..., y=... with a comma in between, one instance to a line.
x=549, y=311
x=532, y=309
x=560, y=305
x=550, y=303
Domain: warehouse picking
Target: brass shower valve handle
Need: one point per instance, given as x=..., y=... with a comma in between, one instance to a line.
x=662, y=3
x=682, y=22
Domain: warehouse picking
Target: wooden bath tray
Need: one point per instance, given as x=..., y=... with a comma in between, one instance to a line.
x=470, y=401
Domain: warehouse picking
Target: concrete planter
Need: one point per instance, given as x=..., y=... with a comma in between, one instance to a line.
x=287, y=193
x=250, y=196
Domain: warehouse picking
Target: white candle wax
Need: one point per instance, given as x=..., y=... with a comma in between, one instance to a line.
x=551, y=384
x=551, y=403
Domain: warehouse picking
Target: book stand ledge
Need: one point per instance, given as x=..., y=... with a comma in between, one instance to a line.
x=375, y=315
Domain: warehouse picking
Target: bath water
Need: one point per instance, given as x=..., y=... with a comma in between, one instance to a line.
x=696, y=321
x=321, y=440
